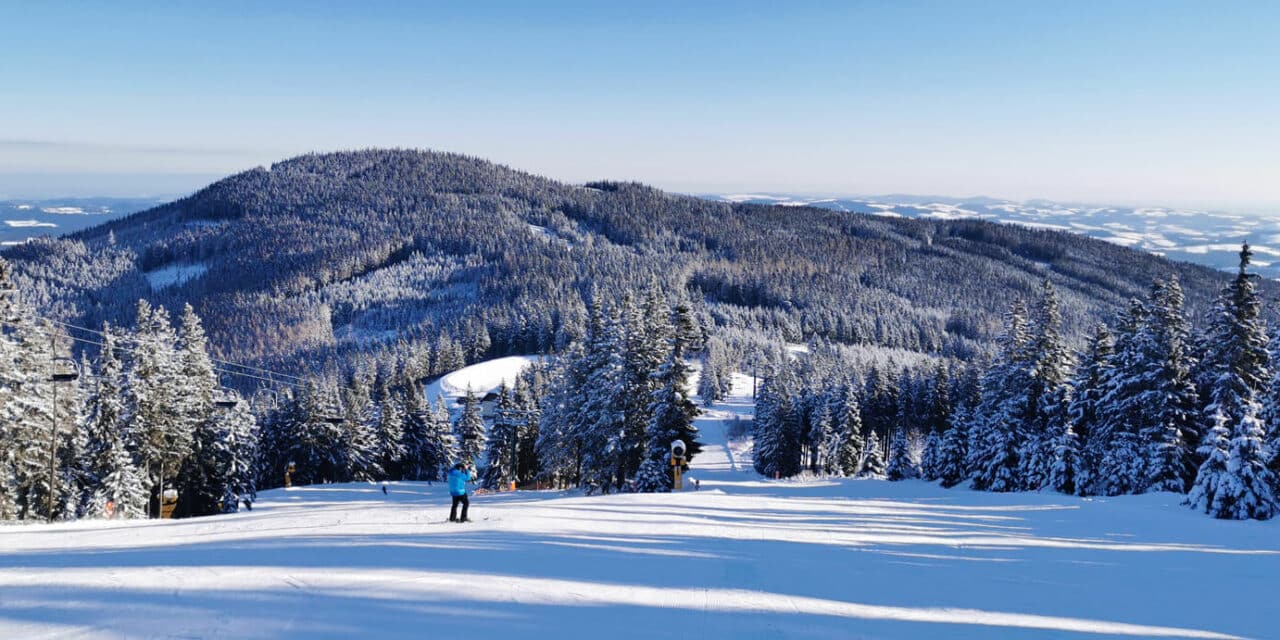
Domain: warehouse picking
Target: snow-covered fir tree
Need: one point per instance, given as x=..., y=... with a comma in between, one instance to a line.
x=502, y=443
x=1084, y=411
x=1170, y=401
x=999, y=420
x=873, y=464
x=309, y=439
x=902, y=461
x=1241, y=487
x=389, y=431
x=1065, y=467
x=846, y=454
x=161, y=419
x=203, y=474
x=105, y=428
x=1116, y=439
x=776, y=429
x=528, y=464
x=359, y=444
x=952, y=453
x=929, y=456
x=469, y=430
x=423, y=438
x=821, y=433
x=237, y=457
x=673, y=415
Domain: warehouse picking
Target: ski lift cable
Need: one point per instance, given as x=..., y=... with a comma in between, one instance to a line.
x=217, y=360
x=230, y=372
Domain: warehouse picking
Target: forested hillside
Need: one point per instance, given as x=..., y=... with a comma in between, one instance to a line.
x=317, y=259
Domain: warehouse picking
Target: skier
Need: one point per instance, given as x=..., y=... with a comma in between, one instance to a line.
x=459, y=476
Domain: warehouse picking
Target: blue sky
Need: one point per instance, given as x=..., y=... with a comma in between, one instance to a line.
x=1128, y=102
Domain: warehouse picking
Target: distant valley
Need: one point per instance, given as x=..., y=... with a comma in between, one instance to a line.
x=1210, y=238
x=25, y=219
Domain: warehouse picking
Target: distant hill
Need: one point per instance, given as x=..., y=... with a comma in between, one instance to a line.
x=1211, y=238
x=321, y=258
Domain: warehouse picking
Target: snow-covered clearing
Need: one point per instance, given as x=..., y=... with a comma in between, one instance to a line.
x=174, y=274
x=741, y=558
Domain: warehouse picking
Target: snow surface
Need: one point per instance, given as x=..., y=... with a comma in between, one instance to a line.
x=24, y=224
x=481, y=377
x=741, y=558
x=174, y=274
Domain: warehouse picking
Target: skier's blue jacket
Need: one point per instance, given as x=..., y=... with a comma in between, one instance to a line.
x=458, y=482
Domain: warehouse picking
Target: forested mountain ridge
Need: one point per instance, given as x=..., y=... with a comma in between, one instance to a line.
x=324, y=256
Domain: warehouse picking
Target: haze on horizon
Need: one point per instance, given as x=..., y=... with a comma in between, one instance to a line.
x=1160, y=103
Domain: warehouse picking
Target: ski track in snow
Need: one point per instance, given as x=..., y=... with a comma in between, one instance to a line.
x=743, y=557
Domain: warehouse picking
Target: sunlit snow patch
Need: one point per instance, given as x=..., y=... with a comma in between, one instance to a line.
x=174, y=274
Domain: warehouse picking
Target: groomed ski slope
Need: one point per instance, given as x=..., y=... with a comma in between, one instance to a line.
x=742, y=558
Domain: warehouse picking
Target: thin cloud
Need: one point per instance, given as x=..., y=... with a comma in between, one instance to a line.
x=109, y=147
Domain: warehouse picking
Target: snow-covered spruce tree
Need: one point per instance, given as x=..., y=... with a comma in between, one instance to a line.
x=1123, y=467
x=653, y=477
x=202, y=479
x=1084, y=411
x=940, y=402
x=423, y=438
x=28, y=414
x=361, y=459
x=1000, y=418
x=937, y=419
x=469, y=431
x=673, y=415
x=1244, y=489
x=9, y=387
x=644, y=332
x=1271, y=410
x=389, y=431
x=820, y=435
x=1065, y=467
x=873, y=465
x=528, y=464
x=902, y=463
x=596, y=409
x=1170, y=402
x=846, y=455
x=1048, y=391
x=952, y=468
x=307, y=439
x=716, y=375
x=929, y=456
x=122, y=491
x=161, y=418
x=1209, y=493
x=556, y=445
x=105, y=424
x=238, y=456
x=444, y=427
x=500, y=449
x=776, y=430
x=880, y=401
x=1116, y=439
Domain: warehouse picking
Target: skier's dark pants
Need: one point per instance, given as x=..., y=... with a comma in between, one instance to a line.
x=453, y=513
